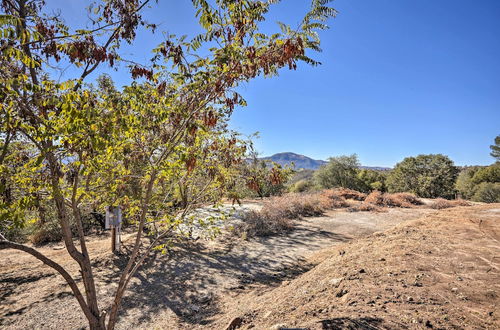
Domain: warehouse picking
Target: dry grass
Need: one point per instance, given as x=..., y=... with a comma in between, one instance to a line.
x=277, y=214
x=331, y=199
x=393, y=200
x=441, y=203
x=350, y=194
x=365, y=207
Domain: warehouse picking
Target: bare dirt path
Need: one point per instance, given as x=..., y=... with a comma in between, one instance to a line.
x=186, y=289
x=440, y=271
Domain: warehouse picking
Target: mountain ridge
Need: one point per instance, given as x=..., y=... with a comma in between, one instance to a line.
x=301, y=161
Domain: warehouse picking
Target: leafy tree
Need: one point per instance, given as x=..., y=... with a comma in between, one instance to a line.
x=487, y=192
x=338, y=172
x=265, y=178
x=428, y=176
x=487, y=174
x=473, y=179
x=464, y=185
x=145, y=147
x=495, y=149
x=371, y=180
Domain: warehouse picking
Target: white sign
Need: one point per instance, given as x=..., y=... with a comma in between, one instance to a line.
x=113, y=216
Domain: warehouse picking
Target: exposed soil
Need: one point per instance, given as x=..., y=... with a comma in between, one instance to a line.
x=273, y=280
x=441, y=271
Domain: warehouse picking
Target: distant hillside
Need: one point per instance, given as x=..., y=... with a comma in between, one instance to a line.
x=301, y=161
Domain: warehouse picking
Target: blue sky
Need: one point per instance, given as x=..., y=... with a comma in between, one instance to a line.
x=399, y=78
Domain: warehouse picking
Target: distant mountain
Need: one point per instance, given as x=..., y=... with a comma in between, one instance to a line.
x=301, y=161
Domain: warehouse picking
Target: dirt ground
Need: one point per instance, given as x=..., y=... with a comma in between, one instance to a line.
x=279, y=280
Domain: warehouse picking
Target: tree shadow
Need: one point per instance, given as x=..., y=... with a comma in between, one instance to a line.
x=190, y=280
x=364, y=323
x=9, y=285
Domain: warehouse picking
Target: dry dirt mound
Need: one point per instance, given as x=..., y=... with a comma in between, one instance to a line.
x=441, y=271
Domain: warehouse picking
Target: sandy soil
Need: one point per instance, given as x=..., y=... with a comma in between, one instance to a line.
x=441, y=271
x=207, y=284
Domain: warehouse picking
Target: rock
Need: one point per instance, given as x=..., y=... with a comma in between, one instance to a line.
x=336, y=281
x=278, y=327
x=204, y=298
x=235, y=323
x=362, y=271
x=194, y=308
x=454, y=289
x=428, y=324
x=341, y=292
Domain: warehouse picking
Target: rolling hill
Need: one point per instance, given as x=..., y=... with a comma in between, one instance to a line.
x=301, y=161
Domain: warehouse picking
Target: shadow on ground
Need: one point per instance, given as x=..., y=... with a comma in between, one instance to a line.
x=363, y=323
x=190, y=279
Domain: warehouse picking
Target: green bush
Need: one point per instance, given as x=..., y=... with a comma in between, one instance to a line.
x=471, y=180
x=428, y=176
x=487, y=174
x=487, y=192
x=369, y=180
x=339, y=172
x=302, y=186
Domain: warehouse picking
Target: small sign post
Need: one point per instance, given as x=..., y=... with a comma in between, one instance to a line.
x=114, y=221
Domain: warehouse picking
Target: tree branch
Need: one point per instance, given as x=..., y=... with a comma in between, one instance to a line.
x=5, y=244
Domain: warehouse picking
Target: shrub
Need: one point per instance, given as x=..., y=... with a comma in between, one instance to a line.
x=257, y=223
x=464, y=184
x=48, y=233
x=371, y=180
x=338, y=172
x=425, y=175
x=365, y=207
x=301, y=186
x=487, y=174
x=487, y=192
x=350, y=194
x=441, y=203
x=393, y=200
x=278, y=212
x=332, y=199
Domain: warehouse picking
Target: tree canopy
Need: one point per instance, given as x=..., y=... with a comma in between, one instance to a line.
x=428, y=176
x=157, y=147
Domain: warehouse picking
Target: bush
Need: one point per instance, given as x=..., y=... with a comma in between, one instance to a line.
x=428, y=176
x=370, y=180
x=393, y=200
x=49, y=232
x=257, y=223
x=487, y=174
x=441, y=203
x=350, y=194
x=365, y=207
x=338, y=172
x=332, y=199
x=278, y=212
x=464, y=185
x=301, y=186
x=487, y=192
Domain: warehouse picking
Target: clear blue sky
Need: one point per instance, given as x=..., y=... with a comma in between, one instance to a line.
x=399, y=78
